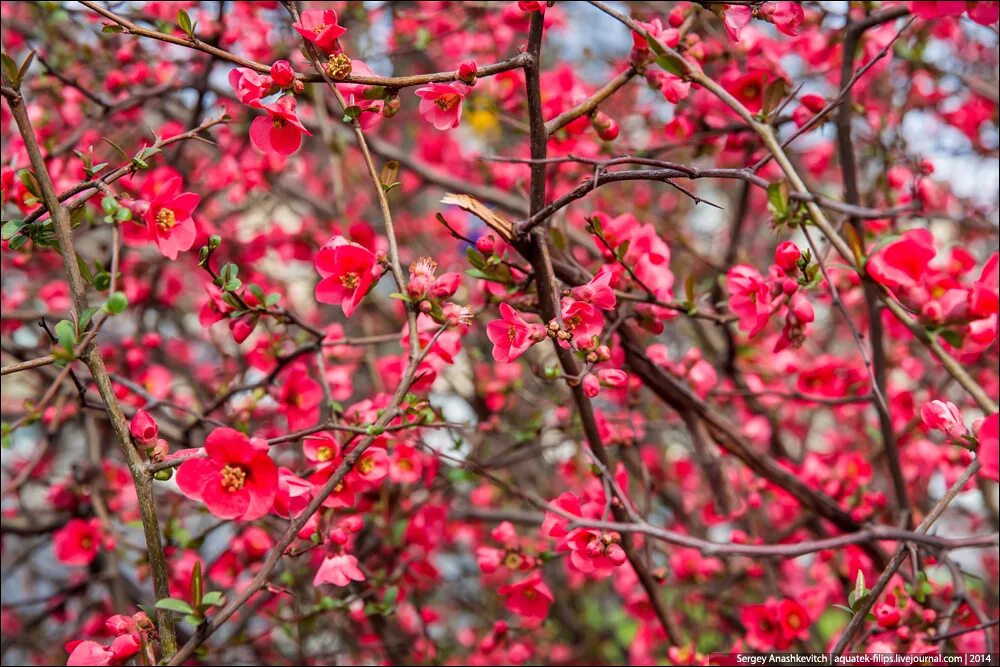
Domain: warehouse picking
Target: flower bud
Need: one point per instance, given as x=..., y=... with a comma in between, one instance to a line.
x=446, y=285
x=786, y=255
x=298, y=87
x=391, y=106
x=467, y=72
x=591, y=385
x=485, y=245
x=606, y=127
x=282, y=73
x=143, y=427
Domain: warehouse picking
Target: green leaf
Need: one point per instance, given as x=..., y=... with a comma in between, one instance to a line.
x=10, y=229
x=777, y=199
x=102, y=281
x=845, y=608
x=112, y=28
x=673, y=64
x=109, y=205
x=391, y=595
x=622, y=250
x=197, y=585
x=66, y=334
x=351, y=114
x=954, y=338
x=475, y=258
x=400, y=296
x=654, y=45
x=117, y=303
x=30, y=182
x=173, y=604
x=85, y=270
x=85, y=317
x=184, y=23
x=9, y=68
x=24, y=67
x=213, y=599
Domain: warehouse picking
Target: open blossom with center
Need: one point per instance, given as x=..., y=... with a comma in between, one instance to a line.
x=749, y=298
x=349, y=270
x=512, y=335
x=280, y=131
x=320, y=27
x=238, y=479
x=168, y=218
x=441, y=104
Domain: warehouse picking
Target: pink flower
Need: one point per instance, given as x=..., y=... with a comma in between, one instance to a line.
x=786, y=16
x=321, y=449
x=943, y=416
x=168, y=219
x=293, y=494
x=143, y=427
x=78, y=542
x=583, y=321
x=280, y=131
x=512, y=336
x=373, y=466
x=238, y=479
x=405, y=465
x=349, y=270
x=749, y=298
x=300, y=398
x=249, y=85
x=736, y=18
x=786, y=255
x=988, y=450
x=320, y=27
x=902, y=263
x=598, y=291
x=441, y=104
x=339, y=570
x=89, y=653
x=529, y=598
x=591, y=385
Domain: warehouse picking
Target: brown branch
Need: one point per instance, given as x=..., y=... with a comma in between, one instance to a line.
x=392, y=82
x=590, y=104
x=143, y=481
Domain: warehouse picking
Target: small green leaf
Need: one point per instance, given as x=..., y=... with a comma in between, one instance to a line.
x=197, y=585
x=673, y=64
x=777, y=199
x=213, y=599
x=24, y=67
x=10, y=229
x=109, y=205
x=66, y=334
x=85, y=317
x=173, y=604
x=184, y=23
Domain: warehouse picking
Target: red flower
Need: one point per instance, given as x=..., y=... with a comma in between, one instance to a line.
x=529, y=598
x=988, y=447
x=441, y=104
x=300, y=398
x=238, y=479
x=349, y=270
x=168, y=219
x=280, y=131
x=249, y=85
x=749, y=298
x=901, y=264
x=583, y=321
x=339, y=570
x=78, y=542
x=320, y=27
x=512, y=336
x=943, y=416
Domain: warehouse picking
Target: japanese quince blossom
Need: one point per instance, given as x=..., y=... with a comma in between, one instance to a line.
x=236, y=480
x=441, y=104
x=320, y=27
x=512, y=335
x=280, y=131
x=348, y=270
x=988, y=452
x=168, y=218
